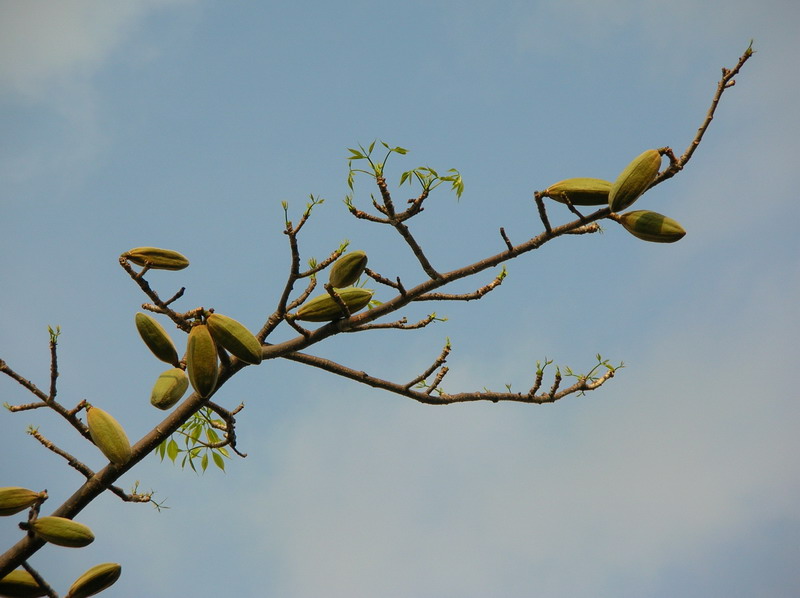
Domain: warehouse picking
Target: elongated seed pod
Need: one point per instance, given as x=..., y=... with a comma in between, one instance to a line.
x=324, y=308
x=634, y=180
x=157, y=258
x=95, y=580
x=169, y=388
x=652, y=226
x=156, y=338
x=580, y=191
x=108, y=435
x=201, y=360
x=346, y=270
x=62, y=532
x=21, y=584
x=14, y=499
x=234, y=338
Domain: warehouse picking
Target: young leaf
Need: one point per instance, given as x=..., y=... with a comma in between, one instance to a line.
x=218, y=461
x=172, y=450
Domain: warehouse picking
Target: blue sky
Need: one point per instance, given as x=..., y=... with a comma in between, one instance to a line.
x=184, y=124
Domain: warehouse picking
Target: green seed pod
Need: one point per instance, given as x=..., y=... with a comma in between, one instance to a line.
x=324, y=308
x=95, y=580
x=234, y=338
x=157, y=258
x=108, y=435
x=201, y=360
x=346, y=270
x=14, y=499
x=634, y=180
x=156, y=338
x=62, y=532
x=21, y=584
x=169, y=388
x=580, y=191
x=651, y=226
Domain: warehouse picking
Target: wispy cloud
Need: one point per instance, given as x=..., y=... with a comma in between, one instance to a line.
x=50, y=53
x=45, y=44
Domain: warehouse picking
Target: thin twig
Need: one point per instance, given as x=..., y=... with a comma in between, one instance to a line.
x=51, y=593
x=724, y=83
x=542, y=212
x=401, y=324
x=436, y=364
x=84, y=469
x=508, y=243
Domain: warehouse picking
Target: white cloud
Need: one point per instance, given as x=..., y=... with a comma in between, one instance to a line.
x=683, y=452
x=49, y=55
x=45, y=43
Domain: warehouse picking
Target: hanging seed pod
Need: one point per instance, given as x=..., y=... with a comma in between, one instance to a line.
x=62, y=532
x=169, y=388
x=634, y=180
x=234, y=338
x=95, y=580
x=652, y=226
x=580, y=191
x=201, y=360
x=156, y=338
x=346, y=270
x=108, y=435
x=157, y=258
x=324, y=308
x=14, y=499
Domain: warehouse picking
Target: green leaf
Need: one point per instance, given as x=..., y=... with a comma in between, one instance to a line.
x=212, y=436
x=204, y=462
x=357, y=155
x=219, y=461
x=172, y=449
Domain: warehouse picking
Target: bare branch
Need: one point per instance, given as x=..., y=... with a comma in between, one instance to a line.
x=437, y=380
x=436, y=364
x=229, y=429
x=82, y=468
x=582, y=385
x=465, y=296
x=69, y=415
x=508, y=243
x=163, y=306
x=53, y=365
x=401, y=324
x=724, y=83
x=51, y=593
x=542, y=212
x=389, y=283
x=72, y=461
x=24, y=382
